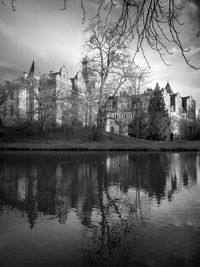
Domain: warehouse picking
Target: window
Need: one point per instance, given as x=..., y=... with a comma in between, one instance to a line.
x=129, y=105
x=11, y=111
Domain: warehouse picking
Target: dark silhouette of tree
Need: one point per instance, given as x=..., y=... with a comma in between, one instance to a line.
x=159, y=121
x=139, y=126
x=6, y=88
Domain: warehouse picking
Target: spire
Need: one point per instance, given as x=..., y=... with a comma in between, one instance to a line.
x=157, y=86
x=168, y=88
x=33, y=71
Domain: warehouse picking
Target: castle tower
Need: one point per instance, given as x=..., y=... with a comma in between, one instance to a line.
x=34, y=73
x=89, y=80
x=169, y=89
x=32, y=90
x=85, y=69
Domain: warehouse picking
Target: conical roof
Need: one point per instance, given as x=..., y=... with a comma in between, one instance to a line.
x=168, y=89
x=33, y=71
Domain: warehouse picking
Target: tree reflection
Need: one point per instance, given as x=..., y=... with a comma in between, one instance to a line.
x=110, y=192
x=173, y=187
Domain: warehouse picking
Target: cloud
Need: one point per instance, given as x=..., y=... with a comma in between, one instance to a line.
x=39, y=29
x=5, y=30
x=175, y=51
x=45, y=32
x=193, y=50
x=5, y=64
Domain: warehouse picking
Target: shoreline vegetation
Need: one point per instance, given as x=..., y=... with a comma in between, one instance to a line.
x=110, y=142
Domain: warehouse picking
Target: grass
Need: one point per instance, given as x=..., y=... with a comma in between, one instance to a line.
x=109, y=142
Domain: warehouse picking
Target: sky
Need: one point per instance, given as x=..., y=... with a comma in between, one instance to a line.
x=39, y=30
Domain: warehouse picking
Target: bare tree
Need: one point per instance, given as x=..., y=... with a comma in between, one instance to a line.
x=9, y=91
x=87, y=99
x=50, y=102
x=6, y=87
x=137, y=82
x=110, y=62
x=147, y=22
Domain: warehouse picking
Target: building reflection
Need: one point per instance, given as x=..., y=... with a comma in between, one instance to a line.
x=198, y=168
x=182, y=172
x=109, y=191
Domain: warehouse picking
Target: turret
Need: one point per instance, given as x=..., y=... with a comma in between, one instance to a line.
x=34, y=73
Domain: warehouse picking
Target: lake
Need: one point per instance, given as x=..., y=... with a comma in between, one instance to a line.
x=99, y=209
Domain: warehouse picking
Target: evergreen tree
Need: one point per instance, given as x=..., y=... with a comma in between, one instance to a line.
x=139, y=126
x=159, y=121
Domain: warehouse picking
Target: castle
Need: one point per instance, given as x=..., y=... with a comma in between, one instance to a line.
x=181, y=110
x=37, y=97
x=56, y=99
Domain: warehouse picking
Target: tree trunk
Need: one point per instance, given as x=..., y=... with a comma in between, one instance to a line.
x=100, y=124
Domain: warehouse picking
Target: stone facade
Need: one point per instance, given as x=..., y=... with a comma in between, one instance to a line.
x=182, y=112
x=38, y=97
x=123, y=108
x=189, y=116
x=52, y=99
x=61, y=89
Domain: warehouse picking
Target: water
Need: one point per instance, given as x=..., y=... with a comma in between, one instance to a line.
x=99, y=209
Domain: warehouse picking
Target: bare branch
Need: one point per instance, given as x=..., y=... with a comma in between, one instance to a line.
x=83, y=9
x=13, y=5
x=143, y=22
x=64, y=5
x=3, y=3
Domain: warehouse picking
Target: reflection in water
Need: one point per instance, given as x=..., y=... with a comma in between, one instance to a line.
x=124, y=204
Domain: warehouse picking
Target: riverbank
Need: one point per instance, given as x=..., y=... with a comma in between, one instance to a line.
x=109, y=143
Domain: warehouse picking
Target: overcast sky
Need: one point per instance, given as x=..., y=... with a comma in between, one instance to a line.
x=40, y=30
